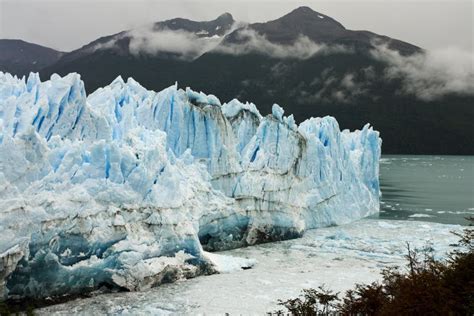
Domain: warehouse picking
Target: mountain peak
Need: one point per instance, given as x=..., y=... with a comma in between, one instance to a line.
x=225, y=17
x=303, y=10
x=305, y=13
x=218, y=26
x=302, y=15
x=302, y=21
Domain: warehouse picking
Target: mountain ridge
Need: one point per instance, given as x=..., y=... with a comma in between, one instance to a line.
x=321, y=28
x=340, y=76
x=21, y=57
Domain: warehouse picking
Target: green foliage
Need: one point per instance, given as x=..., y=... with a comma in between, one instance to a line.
x=4, y=310
x=8, y=309
x=320, y=301
x=427, y=287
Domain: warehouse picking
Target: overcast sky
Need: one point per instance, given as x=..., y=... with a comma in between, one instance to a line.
x=68, y=24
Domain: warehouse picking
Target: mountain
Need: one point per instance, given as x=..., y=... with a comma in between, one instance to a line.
x=120, y=43
x=320, y=28
x=306, y=60
x=20, y=57
x=219, y=26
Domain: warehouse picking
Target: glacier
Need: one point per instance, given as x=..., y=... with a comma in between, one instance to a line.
x=127, y=188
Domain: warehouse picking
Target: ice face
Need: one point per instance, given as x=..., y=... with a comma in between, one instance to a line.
x=126, y=188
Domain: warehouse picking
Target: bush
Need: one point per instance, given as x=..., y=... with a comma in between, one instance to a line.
x=8, y=310
x=428, y=287
x=313, y=302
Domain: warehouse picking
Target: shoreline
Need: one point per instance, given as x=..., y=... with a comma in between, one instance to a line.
x=338, y=257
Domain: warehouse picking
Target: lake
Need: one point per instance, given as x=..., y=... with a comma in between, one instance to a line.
x=428, y=188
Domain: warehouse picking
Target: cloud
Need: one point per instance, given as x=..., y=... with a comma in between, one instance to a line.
x=107, y=45
x=147, y=41
x=252, y=42
x=431, y=74
x=188, y=45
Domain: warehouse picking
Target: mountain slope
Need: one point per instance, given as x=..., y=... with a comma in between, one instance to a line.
x=19, y=57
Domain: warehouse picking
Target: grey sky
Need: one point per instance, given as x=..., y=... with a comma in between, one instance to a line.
x=69, y=24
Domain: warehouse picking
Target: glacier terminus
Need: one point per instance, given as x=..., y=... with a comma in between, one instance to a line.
x=127, y=188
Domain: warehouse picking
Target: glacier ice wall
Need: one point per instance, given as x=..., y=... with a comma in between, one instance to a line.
x=126, y=188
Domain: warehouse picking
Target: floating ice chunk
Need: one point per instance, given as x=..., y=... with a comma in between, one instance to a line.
x=420, y=216
x=226, y=264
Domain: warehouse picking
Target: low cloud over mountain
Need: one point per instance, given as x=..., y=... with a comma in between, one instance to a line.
x=430, y=74
x=250, y=41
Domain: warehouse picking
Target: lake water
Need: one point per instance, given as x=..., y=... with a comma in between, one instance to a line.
x=428, y=188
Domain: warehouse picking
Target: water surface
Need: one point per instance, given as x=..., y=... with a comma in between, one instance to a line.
x=429, y=188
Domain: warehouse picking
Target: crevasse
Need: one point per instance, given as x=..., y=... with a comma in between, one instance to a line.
x=126, y=188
